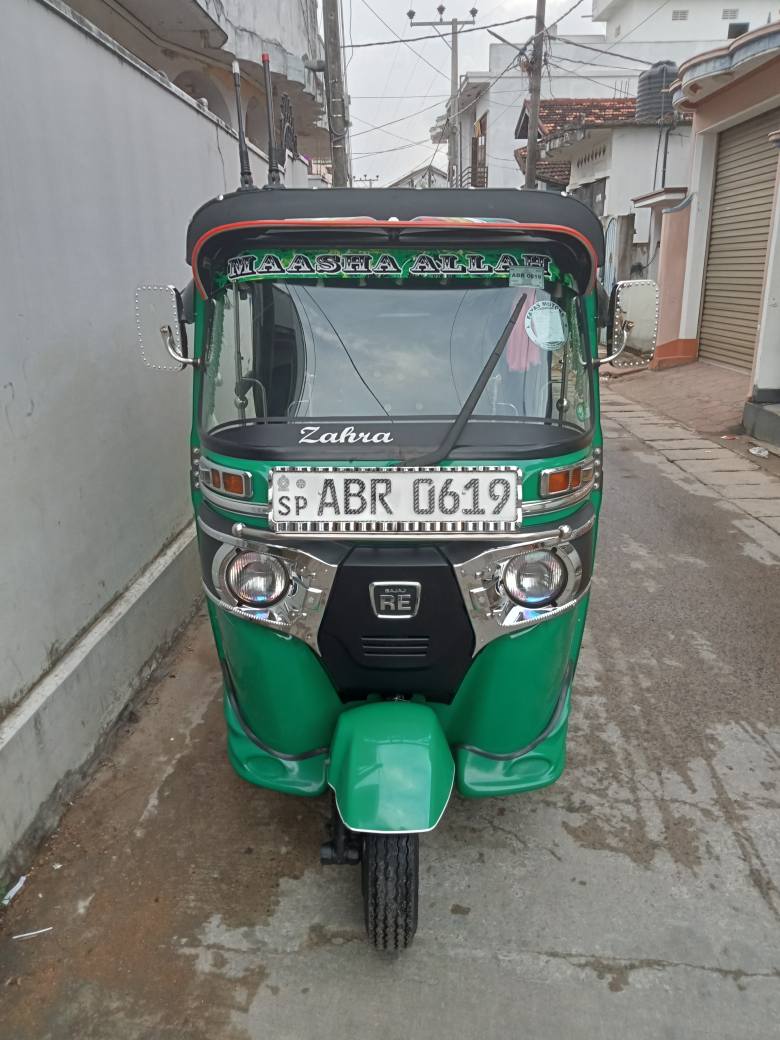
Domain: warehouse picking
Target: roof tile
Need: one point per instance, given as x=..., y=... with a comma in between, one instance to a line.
x=550, y=171
x=557, y=113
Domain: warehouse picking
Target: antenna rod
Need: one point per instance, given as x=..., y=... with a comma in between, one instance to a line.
x=274, y=176
x=243, y=151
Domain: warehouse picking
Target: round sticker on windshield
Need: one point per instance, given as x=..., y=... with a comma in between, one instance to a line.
x=546, y=325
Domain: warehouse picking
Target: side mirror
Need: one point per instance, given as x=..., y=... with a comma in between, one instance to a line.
x=159, y=322
x=633, y=320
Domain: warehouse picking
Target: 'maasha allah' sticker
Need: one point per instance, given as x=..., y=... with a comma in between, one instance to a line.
x=546, y=325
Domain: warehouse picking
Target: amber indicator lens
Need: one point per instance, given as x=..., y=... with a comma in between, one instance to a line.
x=572, y=478
x=558, y=482
x=233, y=483
x=216, y=478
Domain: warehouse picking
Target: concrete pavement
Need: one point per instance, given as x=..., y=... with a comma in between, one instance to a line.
x=708, y=398
x=637, y=897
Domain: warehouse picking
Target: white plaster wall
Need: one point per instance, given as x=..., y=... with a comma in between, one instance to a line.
x=766, y=367
x=102, y=166
x=704, y=22
x=635, y=169
x=584, y=171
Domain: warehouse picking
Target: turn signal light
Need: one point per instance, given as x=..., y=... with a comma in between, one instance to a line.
x=565, y=479
x=557, y=483
x=235, y=483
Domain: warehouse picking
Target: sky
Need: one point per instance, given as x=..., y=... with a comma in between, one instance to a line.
x=393, y=83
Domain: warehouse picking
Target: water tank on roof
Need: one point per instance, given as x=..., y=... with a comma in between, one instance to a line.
x=653, y=97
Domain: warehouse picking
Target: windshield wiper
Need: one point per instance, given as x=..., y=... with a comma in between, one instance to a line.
x=442, y=450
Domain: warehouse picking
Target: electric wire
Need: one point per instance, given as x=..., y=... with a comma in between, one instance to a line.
x=601, y=50
x=444, y=129
x=633, y=28
x=596, y=64
x=382, y=130
x=399, y=39
x=400, y=119
x=590, y=79
x=430, y=36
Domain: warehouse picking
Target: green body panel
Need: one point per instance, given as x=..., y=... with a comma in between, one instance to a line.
x=285, y=696
x=479, y=776
x=513, y=686
x=305, y=776
x=391, y=762
x=283, y=692
x=390, y=767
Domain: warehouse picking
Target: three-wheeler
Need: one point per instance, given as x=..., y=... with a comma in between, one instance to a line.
x=396, y=475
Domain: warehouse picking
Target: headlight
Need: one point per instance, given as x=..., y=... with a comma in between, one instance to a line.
x=534, y=579
x=257, y=579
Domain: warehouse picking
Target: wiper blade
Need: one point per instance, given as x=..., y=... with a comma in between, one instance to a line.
x=442, y=450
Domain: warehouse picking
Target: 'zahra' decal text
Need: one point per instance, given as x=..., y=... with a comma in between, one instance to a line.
x=346, y=435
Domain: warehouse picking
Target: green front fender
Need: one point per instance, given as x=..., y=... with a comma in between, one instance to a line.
x=390, y=767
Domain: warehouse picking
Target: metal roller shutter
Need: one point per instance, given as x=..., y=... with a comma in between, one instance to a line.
x=745, y=172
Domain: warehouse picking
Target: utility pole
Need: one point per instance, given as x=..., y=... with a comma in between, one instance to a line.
x=334, y=90
x=365, y=179
x=453, y=136
x=535, y=90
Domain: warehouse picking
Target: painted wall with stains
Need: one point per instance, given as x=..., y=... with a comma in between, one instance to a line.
x=103, y=162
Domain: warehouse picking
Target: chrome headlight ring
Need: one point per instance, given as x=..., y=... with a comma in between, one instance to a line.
x=299, y=612
x=492, y=612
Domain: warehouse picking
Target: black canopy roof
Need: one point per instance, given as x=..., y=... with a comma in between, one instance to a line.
x=510, y=204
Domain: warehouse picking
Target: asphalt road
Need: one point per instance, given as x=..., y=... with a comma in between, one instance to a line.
x=636, y=898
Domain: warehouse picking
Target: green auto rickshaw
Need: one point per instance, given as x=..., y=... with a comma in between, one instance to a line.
x=396, y=477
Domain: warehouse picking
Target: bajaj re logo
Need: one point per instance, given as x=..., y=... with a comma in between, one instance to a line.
x=395, y=599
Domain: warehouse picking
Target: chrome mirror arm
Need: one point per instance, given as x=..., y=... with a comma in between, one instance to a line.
x=167, y=337
x=625, y=328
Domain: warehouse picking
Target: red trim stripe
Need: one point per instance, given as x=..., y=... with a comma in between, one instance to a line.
x=433, y=224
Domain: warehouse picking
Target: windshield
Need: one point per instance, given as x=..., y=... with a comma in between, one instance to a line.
x=409, y=349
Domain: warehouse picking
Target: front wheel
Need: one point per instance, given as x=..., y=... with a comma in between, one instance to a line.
x=391, y=881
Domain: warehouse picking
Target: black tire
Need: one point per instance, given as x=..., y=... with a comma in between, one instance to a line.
x=391, y=881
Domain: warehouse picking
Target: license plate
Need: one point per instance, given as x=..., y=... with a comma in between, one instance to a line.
x=395, y=501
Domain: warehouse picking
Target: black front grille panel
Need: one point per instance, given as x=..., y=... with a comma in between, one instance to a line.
x=426, y=654
x=415, y=649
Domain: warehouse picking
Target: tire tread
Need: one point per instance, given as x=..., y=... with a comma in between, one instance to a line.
x=390, y=889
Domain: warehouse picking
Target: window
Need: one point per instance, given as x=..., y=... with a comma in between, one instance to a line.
x=730, y=14
x=280, y=351
x=680, y=15
x=737, y=29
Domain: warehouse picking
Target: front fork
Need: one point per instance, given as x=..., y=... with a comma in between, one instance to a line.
x=344, y=845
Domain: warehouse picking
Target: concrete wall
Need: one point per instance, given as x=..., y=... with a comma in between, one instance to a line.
x=671, y=349
x=631, y=159
x=103, y=164
x=635, y=169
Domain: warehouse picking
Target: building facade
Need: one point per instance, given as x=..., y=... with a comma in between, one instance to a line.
x=193, y=43
x=720, y=246
x=629, y=35
x=421, y=177
x=615, y=156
